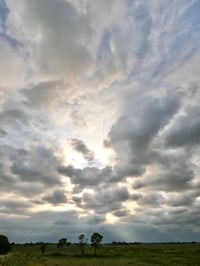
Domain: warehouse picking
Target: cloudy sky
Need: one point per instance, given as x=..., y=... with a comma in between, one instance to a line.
x=100, y=119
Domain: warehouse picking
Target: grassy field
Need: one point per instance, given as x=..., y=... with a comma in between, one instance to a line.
x=107, y=255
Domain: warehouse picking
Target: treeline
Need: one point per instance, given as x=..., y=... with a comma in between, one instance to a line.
x=123, y=243
x=95, y=241
x=96, y=238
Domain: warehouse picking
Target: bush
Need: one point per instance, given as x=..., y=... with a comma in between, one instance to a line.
x=5, y=246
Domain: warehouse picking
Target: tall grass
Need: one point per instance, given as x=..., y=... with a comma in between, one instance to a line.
x=137, y=255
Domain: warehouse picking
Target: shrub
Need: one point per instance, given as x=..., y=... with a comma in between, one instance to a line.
x=5, y=246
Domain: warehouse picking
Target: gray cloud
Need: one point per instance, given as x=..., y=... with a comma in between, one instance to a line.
x=12, y=61
x=80, y=147
x=45, y=95
x=13, y=116
x=132, y=135
x=86, y=177
x=20, y=167
x=185, y=129
x=181, y=200
x=14, y=207
x=121, y=213
x=94, y=219
x=154, y=199
x=176, y=173
x=106, y=199
x=2, y=133
x=45, y=25
x=26, y=164
x=55, y=197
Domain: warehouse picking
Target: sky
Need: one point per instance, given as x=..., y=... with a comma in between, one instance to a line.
x=100, y=120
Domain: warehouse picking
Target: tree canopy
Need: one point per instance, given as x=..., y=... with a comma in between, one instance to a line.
x=5, y=246
x=96, y=239
x=82, y=242
x=62, y=242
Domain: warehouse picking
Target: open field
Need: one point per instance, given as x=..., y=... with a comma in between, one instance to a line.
x=107, y=255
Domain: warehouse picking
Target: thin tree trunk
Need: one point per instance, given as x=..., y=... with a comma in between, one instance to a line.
x=95, y=249
x=82, y=250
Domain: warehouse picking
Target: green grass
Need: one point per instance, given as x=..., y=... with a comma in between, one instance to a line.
x=107, y=255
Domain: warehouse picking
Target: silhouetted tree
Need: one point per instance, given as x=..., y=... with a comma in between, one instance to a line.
x=5, y=246
x=62, y=242
x=43, y=247
x=96, y=239
x=82, y=242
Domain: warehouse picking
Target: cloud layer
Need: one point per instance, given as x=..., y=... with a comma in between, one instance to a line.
x=99, y=119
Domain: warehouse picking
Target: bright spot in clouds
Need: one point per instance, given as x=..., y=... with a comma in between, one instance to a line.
x=111, y=218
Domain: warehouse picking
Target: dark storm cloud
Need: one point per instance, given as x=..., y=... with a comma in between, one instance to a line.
x=55, y=197
x=80, y=147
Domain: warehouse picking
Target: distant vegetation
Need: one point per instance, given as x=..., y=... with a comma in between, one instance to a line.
x=5, y=246
x=82, y=243
x=64, y=253
x=96, y=239
x=62, y=242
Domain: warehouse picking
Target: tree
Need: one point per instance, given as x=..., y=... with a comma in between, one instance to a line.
x=82, y=242
x=43, y=247
x=62, y=242
x=5, y=246
x=96, y=239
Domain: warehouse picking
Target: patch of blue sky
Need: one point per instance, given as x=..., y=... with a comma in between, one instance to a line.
x=141, y=27
x=3, y=14
x=188, y=28
x=4, y=11
x=185, y=41
x=104, y=47
x=10, y=41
